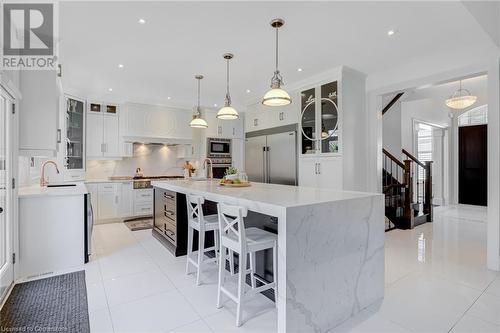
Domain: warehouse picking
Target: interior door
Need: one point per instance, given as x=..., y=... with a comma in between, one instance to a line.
x=282, y=158
x=255, y=161
x=472, y=165
x=6, y=225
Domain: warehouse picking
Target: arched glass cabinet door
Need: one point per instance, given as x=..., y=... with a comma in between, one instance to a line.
x=308, y=121
x=329, y=118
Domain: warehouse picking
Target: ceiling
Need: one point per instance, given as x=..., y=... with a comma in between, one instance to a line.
x=181, y=39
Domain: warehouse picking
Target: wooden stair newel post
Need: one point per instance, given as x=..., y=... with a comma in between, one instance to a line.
x=408, y=210
x=428, y=208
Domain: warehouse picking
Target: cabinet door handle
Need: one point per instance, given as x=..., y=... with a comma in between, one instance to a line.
x=59, y=140
x=168, y=196
x=316, y=168
x=319, y=168
x=256, y=122
x=233, y=130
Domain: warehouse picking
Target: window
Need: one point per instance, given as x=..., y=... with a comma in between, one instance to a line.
x=476, y=116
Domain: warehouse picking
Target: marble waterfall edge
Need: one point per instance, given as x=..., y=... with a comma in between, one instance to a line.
x=346, y=261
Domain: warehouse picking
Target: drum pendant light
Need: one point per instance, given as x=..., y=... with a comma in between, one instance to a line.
x=276, y=96
x=198, y=121
x=227, y=112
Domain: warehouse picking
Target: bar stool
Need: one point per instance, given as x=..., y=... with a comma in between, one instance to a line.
x=197, y=221
x=235, y=237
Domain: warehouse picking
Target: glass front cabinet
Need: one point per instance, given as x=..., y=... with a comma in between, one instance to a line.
x=320, y=121
x=74, y=145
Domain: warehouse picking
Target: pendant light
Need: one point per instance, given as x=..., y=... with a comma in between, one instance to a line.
x=276, y=96
x=227, y=112
x=198, y=121
x=461, y=99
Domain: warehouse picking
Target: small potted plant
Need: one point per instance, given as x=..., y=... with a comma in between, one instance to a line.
x=231, y=173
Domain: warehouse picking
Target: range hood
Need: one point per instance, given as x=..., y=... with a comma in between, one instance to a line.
x=158, y=140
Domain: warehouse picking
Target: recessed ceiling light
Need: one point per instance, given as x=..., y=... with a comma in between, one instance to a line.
x=215, y=105
x=391, y=32
x=299, y=69
x=110, y=89
x=169, y=97
x=120, y=66
x=248, y=90
x=141, y=21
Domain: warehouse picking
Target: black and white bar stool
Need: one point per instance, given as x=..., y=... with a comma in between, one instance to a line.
x=197, y=221
x=235, y=237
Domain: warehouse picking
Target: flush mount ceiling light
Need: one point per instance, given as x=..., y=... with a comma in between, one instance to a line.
x=120, y=66
x=227, y=112
x=110, y=89
x=391, y=32
x=141, y=21
x=276, y=96
x=197, y=121
x=461, y=99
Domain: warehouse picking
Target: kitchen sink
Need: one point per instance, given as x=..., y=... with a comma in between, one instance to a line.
x=60, y=185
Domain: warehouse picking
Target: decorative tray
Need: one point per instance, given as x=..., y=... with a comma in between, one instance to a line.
x=242, y=184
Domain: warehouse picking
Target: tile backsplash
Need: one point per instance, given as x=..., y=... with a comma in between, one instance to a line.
x=154, y=160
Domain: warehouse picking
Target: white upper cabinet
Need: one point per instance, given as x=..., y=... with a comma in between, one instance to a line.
x=218, y=128
x=260, y=117
x=158, y=123
x=103, y=134
x=111, y=136
x=39, y=113
x=95, y=131
x=321, y=119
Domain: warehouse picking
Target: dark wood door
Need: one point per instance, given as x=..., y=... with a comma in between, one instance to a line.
x=472, y=165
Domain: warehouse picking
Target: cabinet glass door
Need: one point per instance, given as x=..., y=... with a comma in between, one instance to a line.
x=308, y=121
x=329, y=118
x=74, y=134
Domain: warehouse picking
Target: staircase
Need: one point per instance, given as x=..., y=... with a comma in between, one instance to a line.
x=407, y=186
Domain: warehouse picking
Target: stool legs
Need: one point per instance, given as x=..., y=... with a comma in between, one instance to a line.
x=189, y=247
x=222, y=271
x=252, y=269
x=201, y=254
x=242, y=272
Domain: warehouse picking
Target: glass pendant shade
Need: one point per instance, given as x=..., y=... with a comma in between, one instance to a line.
x=198, y=122
x=276, y=97
x=461, y=99
x=227, y=113
x=460, y=102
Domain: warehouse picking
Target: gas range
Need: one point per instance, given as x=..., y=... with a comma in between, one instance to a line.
x=141, y=182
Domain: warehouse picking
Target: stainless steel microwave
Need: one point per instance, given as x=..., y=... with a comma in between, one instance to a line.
x=217, y=147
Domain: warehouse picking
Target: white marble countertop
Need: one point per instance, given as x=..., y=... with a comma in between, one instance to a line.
x=107, y=180
x=282, y=196
x=37, y=191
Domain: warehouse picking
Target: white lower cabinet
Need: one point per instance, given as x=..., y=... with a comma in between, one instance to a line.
x=143, y=202
x=108, y=199
x=321, y=172
x=115, y=200
x=126, y=200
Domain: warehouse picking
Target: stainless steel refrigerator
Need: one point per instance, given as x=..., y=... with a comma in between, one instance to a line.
x=272, y=157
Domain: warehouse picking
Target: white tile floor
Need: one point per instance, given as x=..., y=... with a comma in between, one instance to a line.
x=436, y=281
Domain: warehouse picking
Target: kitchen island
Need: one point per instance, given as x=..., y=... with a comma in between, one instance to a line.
x=330, y=248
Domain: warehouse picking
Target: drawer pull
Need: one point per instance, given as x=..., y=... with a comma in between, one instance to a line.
x=146, y=195
x=145, y=208
x=169, y=212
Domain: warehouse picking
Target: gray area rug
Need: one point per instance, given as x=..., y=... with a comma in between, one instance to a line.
x=139, y=223
x=55, y=304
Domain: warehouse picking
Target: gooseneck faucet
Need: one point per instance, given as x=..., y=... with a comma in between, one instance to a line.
x=211, y=170
x=43, y=181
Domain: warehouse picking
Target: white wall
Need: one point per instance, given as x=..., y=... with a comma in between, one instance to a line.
x=154, y=160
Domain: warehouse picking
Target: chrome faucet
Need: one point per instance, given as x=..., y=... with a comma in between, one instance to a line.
x=211, y=170
x=43, y=181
